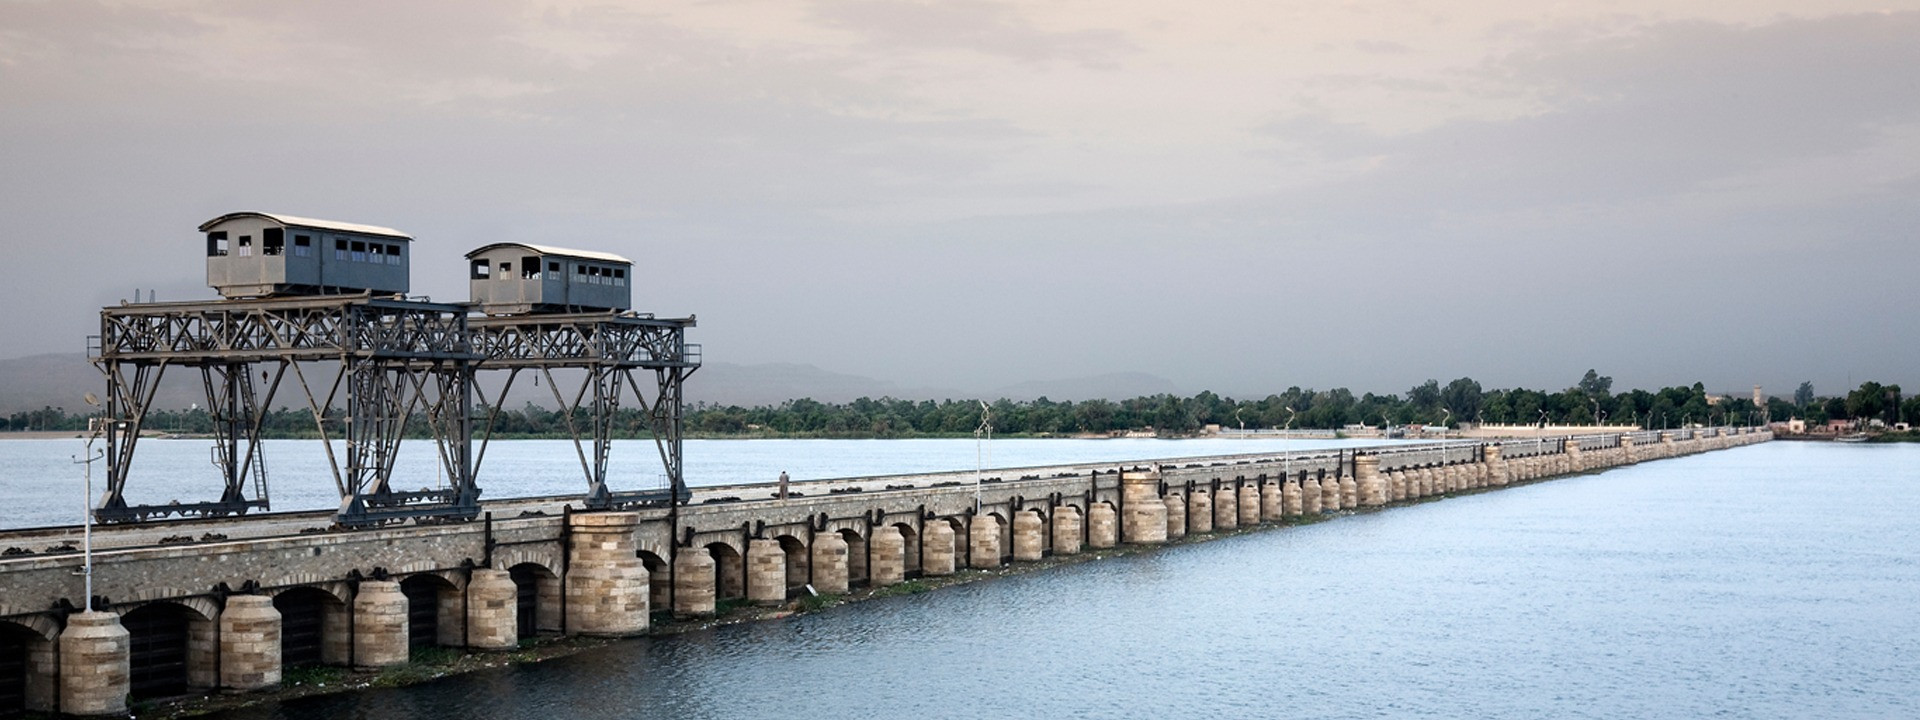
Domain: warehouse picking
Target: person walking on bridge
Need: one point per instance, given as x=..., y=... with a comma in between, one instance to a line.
x=782, y=494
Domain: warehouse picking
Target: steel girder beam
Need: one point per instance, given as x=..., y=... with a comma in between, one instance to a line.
x=394, y=357
x=611, y=349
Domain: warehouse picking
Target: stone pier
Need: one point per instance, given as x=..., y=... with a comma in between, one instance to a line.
x=94, y=675
x=1146, y=520
x=607, y=588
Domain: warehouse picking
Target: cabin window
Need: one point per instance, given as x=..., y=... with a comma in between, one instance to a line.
x=530, y=268
x=302, y=246
x=620, y=277
x=359, y=251
x=479, y=270
x=376, y=253
x=246, y=246
x=393, y=254
x=339, y=249
x=273, y=241
x=581, y=271
x=554, y=267
x=506, y=270
x=217, y=243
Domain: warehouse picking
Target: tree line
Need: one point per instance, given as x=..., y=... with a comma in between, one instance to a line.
x=1588, y=401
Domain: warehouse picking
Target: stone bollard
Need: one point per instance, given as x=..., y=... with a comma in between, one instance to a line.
x=1146, y=512
x=767, y=572
x=1272, y=509
x=1066, y=530
x=1291, y=499
x=379, y=625
x=94, y=670
x=1329, y=494
x=1200, y=511
x=693, y=583
x=1176, y=515
x=1397, y=486
x=1100, y=530
x=493, y=611
x=1249, y=503
x=829, y=561
x=607, y=588
x=1309, y=496
x=983, y=540
x=1349, y=492
x=889, y=563
x=1372, y=487
x=1029, y=539
x=936, y=540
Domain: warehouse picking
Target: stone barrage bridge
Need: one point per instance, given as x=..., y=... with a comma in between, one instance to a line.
x=230, y=614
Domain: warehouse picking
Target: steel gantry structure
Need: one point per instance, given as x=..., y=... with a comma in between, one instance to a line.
x=610, y=347
x=391, y=358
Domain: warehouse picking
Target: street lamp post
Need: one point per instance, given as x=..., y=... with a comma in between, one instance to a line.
x=980, y=450
x=95, y=426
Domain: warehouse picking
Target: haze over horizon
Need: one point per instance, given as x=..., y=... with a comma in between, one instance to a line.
x=974, y=195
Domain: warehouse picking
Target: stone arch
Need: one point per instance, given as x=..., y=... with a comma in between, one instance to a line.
x=434, y=611
x=546, y=557
x=536, y=598
x=171, y=648
x=28, y=664
x=729, y=571
x=659, y=579
x=799, y=562
x=856, y=557
x=911, y=535
x=313, y=627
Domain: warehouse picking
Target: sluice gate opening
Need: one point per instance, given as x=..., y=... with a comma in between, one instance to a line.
x=16, y=646
x=303, y=624
x=158, y=636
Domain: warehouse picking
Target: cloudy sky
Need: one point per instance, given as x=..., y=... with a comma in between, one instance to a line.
x=1238, y=196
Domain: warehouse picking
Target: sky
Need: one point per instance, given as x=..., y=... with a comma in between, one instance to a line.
x=1235, y=196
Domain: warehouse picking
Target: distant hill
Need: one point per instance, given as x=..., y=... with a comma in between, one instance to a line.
x=1111, y=386
x=61, y=380
x=720, y=383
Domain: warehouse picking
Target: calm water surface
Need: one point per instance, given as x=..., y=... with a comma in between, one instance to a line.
x=44, y=486
x=1776, y=581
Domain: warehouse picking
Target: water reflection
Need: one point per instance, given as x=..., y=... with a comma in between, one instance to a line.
x=1772, y=581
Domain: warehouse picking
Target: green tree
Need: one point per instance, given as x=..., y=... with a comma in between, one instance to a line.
x=1803, y=396
x=1593, y=384
x=1464, y=397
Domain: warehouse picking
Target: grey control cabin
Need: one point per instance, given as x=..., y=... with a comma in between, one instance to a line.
x=520, y=278
x=254, y=254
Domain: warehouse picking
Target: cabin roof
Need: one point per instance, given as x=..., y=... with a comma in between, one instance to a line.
x=560, y=251
x=297, y=221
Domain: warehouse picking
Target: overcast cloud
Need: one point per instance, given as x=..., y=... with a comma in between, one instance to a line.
x=1234, y=196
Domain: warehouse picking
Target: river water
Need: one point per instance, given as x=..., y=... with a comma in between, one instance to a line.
x=44, y=486
x=1773, y=581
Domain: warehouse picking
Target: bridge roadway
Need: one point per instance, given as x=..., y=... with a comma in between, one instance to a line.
x=229, y=613
x=279, y=524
